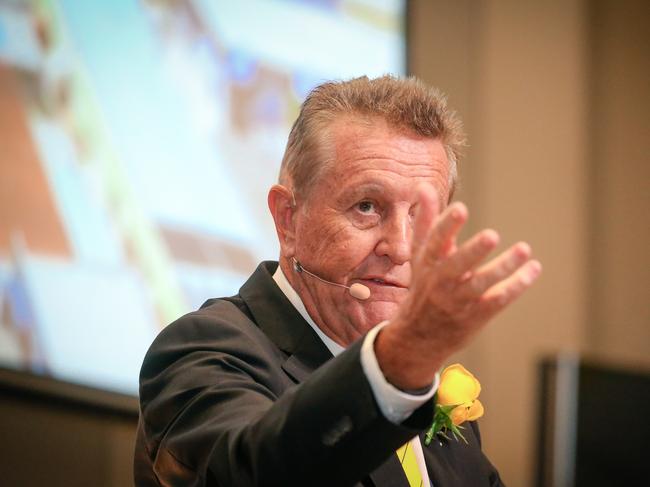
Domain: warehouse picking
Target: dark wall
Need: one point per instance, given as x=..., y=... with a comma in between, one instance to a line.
x=61, y=438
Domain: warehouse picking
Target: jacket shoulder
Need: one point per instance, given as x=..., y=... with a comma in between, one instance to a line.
x=220, y=324
x=218, y=340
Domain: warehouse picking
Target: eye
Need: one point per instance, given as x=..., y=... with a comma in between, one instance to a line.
x=365, y=214
x=366, y=207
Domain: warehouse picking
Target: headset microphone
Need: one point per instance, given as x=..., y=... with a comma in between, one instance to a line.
x=357, y=290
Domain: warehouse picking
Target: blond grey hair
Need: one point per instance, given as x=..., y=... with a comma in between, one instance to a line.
x=405, y=104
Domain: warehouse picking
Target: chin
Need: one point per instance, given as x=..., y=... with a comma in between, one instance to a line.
x=370, y=314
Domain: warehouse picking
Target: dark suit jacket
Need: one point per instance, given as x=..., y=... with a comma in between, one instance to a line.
x=242, y=392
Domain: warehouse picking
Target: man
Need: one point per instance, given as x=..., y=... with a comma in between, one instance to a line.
x=246, y=391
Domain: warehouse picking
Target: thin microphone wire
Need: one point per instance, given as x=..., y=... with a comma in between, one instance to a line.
x=299, y=268
x=357, y=290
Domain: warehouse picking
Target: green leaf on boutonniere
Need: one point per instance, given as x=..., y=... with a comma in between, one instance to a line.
x=455, y=430
x=442, y=423
x=446, y=410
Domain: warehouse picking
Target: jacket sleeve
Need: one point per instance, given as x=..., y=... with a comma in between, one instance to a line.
x=217, y=409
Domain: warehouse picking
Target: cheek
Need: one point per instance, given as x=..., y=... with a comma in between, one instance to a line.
x=337, y=244
x=351, y=249
x=320, y=235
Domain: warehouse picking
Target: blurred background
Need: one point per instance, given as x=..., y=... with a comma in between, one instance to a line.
x=138, y=140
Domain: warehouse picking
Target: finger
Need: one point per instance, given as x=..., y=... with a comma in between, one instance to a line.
x=427, y=211
x=470, y=254
x=504, y=293
x=443, y=235
x=496, y=270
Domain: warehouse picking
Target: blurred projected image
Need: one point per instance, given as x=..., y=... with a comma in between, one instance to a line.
x=138, y=140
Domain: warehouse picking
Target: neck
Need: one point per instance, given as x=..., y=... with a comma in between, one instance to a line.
x=303, y=285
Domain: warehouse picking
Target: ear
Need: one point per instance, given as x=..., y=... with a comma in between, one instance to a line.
x=282, y=205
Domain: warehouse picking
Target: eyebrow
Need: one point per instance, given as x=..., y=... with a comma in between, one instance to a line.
x=357, y=191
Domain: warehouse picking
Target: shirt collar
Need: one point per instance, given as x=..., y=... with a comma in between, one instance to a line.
x=282, y=282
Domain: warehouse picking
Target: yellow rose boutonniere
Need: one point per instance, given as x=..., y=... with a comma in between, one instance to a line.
x=456, y=401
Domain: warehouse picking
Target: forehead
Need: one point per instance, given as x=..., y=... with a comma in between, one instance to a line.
x=372, y=152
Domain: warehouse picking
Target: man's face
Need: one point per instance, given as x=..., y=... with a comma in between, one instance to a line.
x=356, y=225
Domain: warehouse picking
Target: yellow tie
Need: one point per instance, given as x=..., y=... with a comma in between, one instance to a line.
x=410, y=465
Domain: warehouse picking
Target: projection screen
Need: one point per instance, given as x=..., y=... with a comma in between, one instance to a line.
x=138, y=140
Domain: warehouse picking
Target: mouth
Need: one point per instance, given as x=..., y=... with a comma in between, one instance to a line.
x=382, y=281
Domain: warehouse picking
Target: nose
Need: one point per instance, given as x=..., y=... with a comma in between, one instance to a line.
x=395, y=241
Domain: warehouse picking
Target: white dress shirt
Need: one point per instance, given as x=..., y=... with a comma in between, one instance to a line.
x=395, y=405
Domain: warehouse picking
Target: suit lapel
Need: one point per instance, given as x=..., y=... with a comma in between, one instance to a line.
x=454, y=462
x=389, y=473
x=282, y=323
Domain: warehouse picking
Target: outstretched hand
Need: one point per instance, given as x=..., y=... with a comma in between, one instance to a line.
x=452, y=293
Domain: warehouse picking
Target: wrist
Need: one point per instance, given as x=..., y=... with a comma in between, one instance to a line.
x=407, y=363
